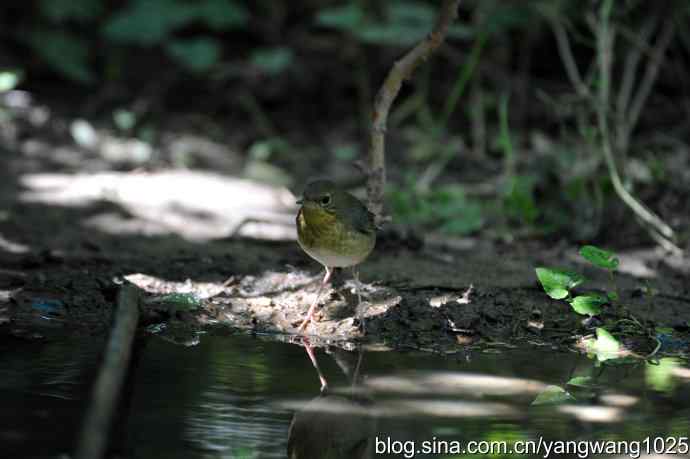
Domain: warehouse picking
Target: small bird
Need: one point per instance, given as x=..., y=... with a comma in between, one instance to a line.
x=335, y=425
x=335, y=229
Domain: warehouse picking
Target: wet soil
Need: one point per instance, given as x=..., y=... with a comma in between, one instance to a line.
x=429, y=296
x=72, y=232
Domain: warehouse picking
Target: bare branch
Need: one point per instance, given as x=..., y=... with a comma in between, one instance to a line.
x=649, y=78
x=566, y=53
x=94, y=434
x=401, y=71
x=632, y=60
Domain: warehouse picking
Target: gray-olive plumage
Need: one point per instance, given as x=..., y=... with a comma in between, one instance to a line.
x=334, y=228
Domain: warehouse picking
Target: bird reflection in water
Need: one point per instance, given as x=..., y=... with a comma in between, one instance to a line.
x=336, y=424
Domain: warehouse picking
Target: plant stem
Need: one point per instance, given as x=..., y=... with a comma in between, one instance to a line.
x=605, y=41
x=505, y=141
x=401, y=70
x=464, y=77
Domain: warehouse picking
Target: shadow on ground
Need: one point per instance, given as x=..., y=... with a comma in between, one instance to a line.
x=68, y=238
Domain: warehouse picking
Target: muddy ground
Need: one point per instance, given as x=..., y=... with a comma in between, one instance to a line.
x=75, y=223
x=59, y=275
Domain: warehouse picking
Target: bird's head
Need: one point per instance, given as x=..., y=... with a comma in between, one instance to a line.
x=320, y=196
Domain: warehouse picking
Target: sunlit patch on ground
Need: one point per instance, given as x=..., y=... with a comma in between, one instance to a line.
x=12, y=247
x=197, y=206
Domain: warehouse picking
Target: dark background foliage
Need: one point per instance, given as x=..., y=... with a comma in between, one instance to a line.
x=492, y=128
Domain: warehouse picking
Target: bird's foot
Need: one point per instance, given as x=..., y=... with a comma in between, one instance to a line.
x=364, y=289
x=309, y=317
x=303, y=326
x=361, y=324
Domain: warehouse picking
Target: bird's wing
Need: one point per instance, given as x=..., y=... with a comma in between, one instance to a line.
x=359, y=216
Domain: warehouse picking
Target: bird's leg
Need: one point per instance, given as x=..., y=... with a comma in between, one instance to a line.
x=312, y=357
x=312, y=308
x=358, y=288
x=358, y=285
x=355, y=376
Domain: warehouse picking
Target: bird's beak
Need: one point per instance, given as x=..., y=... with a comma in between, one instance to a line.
x=299, y=201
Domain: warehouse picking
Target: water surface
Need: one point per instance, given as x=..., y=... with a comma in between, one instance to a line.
x=235, y=396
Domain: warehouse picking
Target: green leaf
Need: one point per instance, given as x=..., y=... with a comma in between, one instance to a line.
x=124, y=119
x=605, y=346
x=346, y=152
x=179, y=301
x=411, y=12
x=519, y=199
x=10, y=79
x=599, y=257
x=272, y=61
x=659, y=375
x=396, y=35
x=461, y=31
x=589, y=304
x=508, y=16
x=557, y=282
x=64, y=52
x=581, y=381
x=222, y=14
x=197, y=54
x=553, y=395
x=472, y=220
x=405, y=22
x=347, y=17
x=606, y=342
x=77, y=10
x=149, y=22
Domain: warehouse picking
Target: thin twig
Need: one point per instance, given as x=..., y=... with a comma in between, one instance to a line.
x=566, y=54
x=632, y=61
x=94, y=434
x=466, y=73
x=652, y=70
x=401, y=70
x=478, y=119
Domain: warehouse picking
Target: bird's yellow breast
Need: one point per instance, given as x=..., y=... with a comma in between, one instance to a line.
x=329, y=240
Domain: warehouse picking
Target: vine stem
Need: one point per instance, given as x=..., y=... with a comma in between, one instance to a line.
x=401, y=70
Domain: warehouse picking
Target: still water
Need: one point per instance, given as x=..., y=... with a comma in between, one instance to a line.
x=236, y=395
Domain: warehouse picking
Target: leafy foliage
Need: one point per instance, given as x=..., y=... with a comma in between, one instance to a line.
x=599, y=257
x=604, y=346
x=344, y=17
x=589, y=304
x=196, y=54
x=9, y=79
x=65, y=52
x=272, y=61
x=149, y=22
x=446, y=207
x=552, y=395
x=175, y=302
x=404, y=22
x=659, y=375
x=146, y=23
x=581, y=381
x=557, y=282
x=519, y=201
x=71, y=10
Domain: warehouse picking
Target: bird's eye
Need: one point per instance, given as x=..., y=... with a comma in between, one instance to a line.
x=326, y=200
